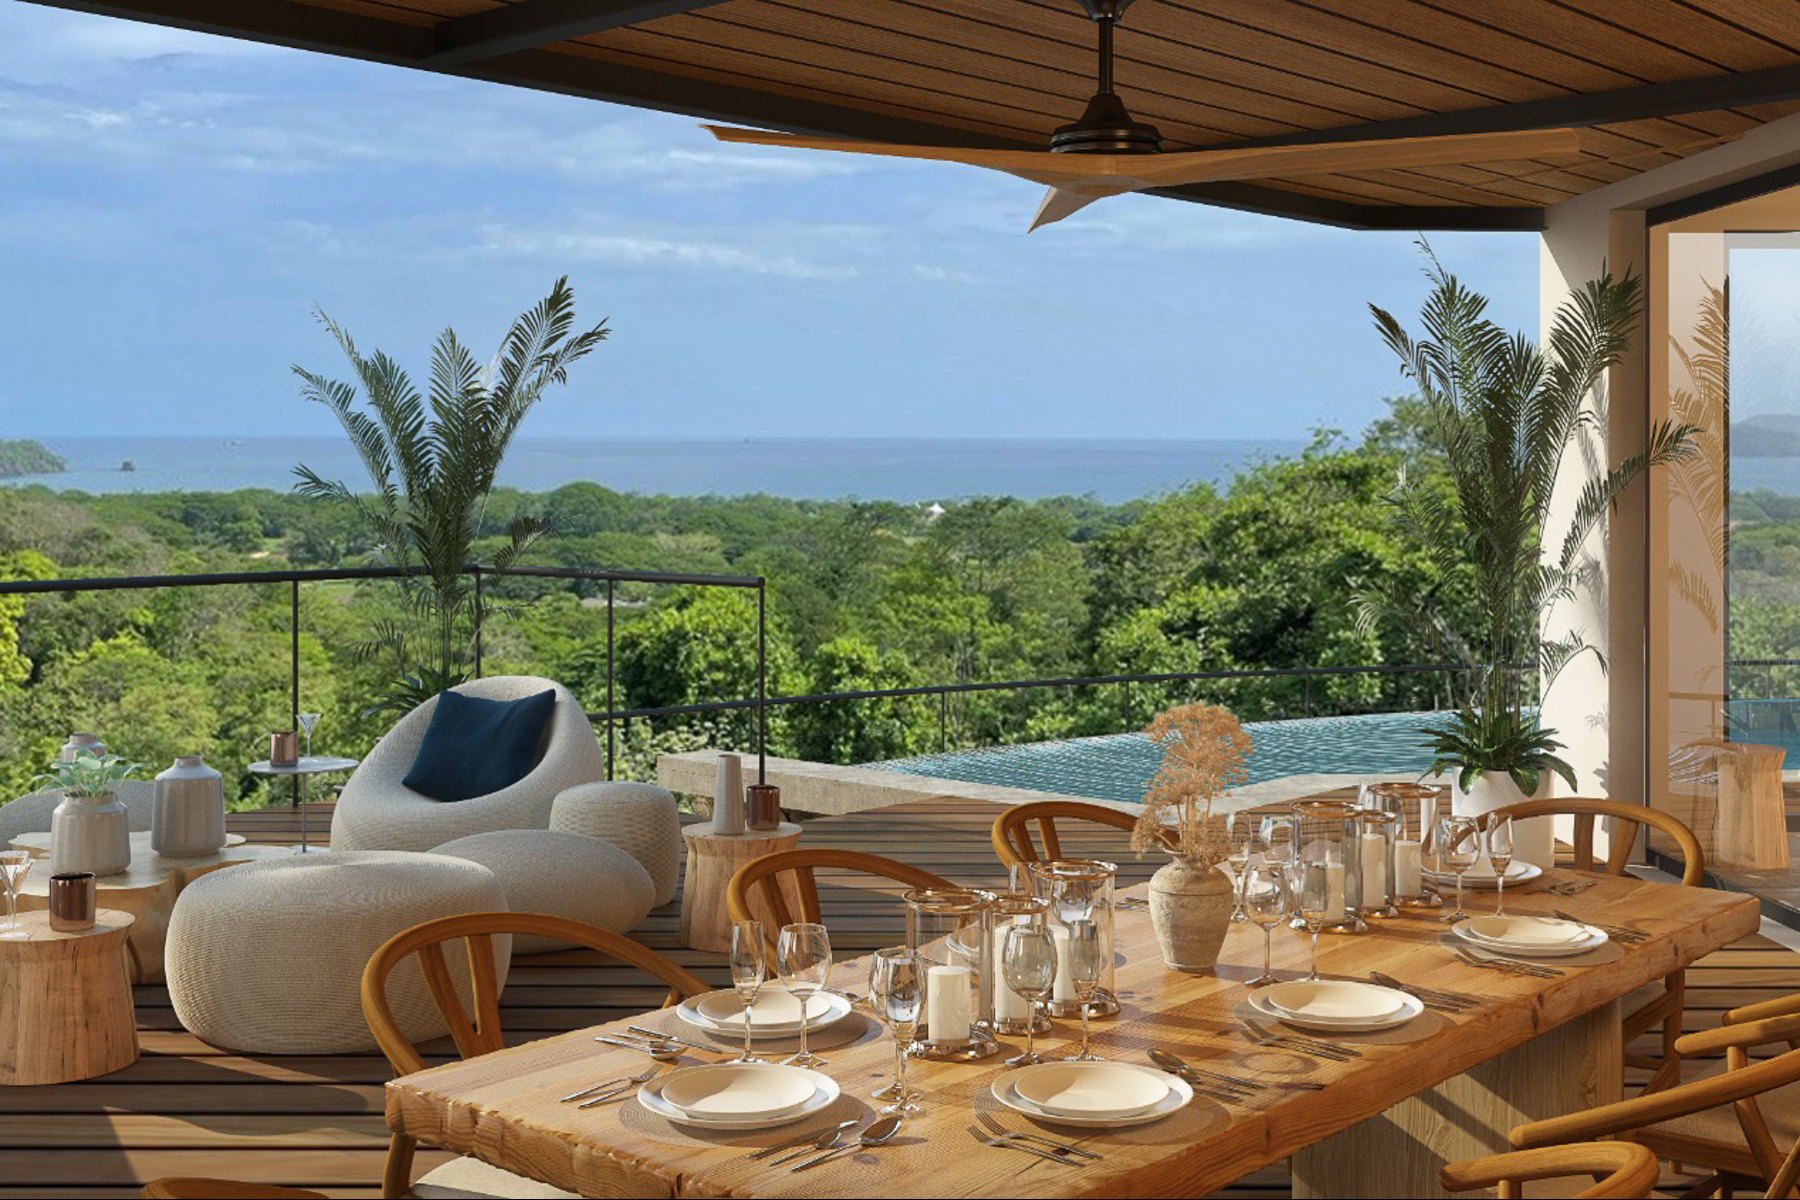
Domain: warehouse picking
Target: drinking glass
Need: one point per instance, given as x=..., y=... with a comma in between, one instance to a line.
x=1266, y=903
x=1500, y=853
x=1241, y=830
x=1313, y=900
x=1087, y=949
x=14, y=866
x=1458, y=846
x=1028, y=963
x=1277, y=834
x=803, y=956
x=749, y=968
x=896, y=989
x=306, y=721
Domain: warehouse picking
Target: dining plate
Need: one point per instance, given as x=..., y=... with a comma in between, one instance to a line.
x=825, y=1094
x=1526, y=930
x=1091, y=1089
x=730, y=1090
x=1334, y=1000
x=775, y=1014
x=1517, y=873
x=1593, y=941
x=1177, y=1097
x=1411, y=1008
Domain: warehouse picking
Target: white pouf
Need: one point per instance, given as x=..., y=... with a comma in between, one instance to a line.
x=639, y=818
x=268, y=957
x=563, y=874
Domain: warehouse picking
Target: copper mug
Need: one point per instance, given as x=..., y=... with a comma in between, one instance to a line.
x=72, y=901
x=763, y=802
x=284, y=748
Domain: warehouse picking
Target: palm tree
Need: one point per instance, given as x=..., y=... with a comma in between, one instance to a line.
x=1505, y=412
x=431, y=460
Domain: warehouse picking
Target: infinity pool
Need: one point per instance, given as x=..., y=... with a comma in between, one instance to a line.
x=1119, y=766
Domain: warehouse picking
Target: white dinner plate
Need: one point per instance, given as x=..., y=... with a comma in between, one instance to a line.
x=1176, y=1098
x=1091, y=1089
x=1593, y=941
x=726, y=1091
x=1524, y=930
x=1485, y=881
x=824, y=1095
x=775, y=1014
x=1410, y=1009
x=1335, y=1000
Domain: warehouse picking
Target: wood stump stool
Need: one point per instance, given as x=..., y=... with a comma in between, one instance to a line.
x=712, y=859
x=65, y=1001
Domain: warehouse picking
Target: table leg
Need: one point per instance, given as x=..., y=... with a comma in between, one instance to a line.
x=1567, y=1069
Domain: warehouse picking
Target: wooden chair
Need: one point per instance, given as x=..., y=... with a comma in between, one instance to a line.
x=182, y=1188
x=1654, y=1005
x=772, y=878
x=479, y=1032
x=1012, y=838
x=1621, y=1170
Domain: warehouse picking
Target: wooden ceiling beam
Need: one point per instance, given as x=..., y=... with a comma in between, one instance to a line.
x=533, y=23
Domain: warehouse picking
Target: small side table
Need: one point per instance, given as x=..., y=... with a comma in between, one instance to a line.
x=712, y=859
x=305, y=767
x=65, y=1002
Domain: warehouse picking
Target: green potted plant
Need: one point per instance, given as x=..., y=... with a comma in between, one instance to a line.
x=1504, y=413
x=90, y=829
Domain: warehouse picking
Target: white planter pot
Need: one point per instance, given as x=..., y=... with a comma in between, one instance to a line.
x=90, y=833
x=1534, y=841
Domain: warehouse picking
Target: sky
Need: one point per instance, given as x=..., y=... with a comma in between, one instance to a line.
x=172, y=205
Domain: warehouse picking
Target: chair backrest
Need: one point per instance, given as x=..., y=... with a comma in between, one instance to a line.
x=1584, y=811
x=763, y=879
x=1012, y=838
x=1621, y=1170
x=479, y=1032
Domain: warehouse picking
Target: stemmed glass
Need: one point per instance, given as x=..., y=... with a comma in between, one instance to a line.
x=1266, y=903
x=1028, y=964
x=803, y=956
x=896, y=989
x=1313, y=901
x=307, y=721
x=749, y=968
x=14, y=866
x=1086, y=950
x=1277, y=834
x=1458, y=846
x=1500, y=853
x=1241, y=834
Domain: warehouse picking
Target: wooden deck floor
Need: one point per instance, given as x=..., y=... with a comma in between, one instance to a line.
x=188, y=1109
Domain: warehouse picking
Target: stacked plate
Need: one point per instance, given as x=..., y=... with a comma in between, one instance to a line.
x=1336, y=1005
x=1107, y=1094
x=1529, y=937
x=776, y=1013
x=1482, y=877
x=738, y=1095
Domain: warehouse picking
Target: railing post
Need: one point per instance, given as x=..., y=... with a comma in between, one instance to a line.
x=611, y=708
x=943, y=722
x=294, y=671
x=1125, y=709
x=762, y=681
x=480, y=613
x=1306, y=685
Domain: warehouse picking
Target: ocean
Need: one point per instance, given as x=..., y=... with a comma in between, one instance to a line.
x=915, y=470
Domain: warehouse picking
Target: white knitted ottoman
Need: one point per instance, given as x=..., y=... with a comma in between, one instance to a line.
x=267, y=957
x=639, y=818
x=563, y=874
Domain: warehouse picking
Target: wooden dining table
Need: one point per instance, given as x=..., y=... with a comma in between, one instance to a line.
x=1444, y=1086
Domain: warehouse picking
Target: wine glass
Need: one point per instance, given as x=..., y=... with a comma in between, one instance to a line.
x=1240, y=828
x=1458, y=846
x=1277, y=834
x=1028, y=964
x=1500, y=853
x=749, y=968
x=1315, y=897
x=803, y=956
x=896, y=989
x=1266, y=904
x=307, y=721
x=1087, y=953
x=14, y=866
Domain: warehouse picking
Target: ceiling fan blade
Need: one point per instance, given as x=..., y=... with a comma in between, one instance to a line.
x=1000, y=160
x=1066, y=202
x=1207, y=166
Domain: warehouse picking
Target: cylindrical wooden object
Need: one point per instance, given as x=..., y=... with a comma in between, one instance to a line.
x=712, y=859
x=65, y=1001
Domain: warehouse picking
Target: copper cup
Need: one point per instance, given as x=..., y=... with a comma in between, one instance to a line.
x=284, y=748
x=72, y=901
x=763, y=807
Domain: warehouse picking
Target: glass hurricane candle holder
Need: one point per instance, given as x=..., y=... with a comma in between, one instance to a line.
x=1078, y=889
x=949, y=929
x=1325, y=831
x=1013, y=1014
x=1415, y=809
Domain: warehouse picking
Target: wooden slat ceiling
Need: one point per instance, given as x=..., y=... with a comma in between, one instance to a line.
x=1652, y=80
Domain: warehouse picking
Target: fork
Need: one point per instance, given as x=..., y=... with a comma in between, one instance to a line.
x=1510, y=965
x=1007, y=1143
x=1570, y=887
x=1618, y=933
x=1304, y=1045
x=998, y=1130
x=1429, y=997
x=643, y=1076
x=616, y=1093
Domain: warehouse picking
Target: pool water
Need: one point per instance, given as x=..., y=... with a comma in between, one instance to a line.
x=1119, y=766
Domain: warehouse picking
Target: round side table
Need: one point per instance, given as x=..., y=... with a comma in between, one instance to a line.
x=303, y=769
x=712, y=859
x=65, y=1001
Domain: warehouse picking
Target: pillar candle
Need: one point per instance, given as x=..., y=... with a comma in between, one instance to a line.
x=1008, y=1004
x=1408, y=864
x=947, y=1004
x=1334, y=891
x=1372, y=855
x=1064, y=988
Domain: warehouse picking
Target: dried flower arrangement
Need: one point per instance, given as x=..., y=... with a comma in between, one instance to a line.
x=1204, y=748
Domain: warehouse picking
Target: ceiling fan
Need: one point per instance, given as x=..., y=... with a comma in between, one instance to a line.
x=1107, y=152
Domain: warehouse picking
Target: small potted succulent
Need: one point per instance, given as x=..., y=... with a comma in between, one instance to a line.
x=90, y=830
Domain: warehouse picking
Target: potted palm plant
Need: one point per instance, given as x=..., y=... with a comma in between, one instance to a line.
x=90, y=830
x=1504, y=413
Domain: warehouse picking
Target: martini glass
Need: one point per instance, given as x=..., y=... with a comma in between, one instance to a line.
x=307, y=721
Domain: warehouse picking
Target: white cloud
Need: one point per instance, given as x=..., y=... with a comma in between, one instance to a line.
x=634, y=249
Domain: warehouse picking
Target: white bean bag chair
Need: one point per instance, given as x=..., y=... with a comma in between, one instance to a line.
x=639, y=818
x=30, y=813
x=376, y=811
x=563, y=874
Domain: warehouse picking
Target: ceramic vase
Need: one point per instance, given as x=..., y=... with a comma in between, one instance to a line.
x=90, y=833
x=1190, y=909
x=728, y=795
x=1534, y=841
x=188, y=817
x=77, y=744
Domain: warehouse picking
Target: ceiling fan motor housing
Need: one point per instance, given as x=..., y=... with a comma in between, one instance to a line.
x=1106, y=126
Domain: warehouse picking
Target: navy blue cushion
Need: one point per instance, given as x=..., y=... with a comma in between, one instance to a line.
x=473, y=747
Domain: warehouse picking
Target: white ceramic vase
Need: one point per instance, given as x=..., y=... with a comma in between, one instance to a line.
x=90, y=833
x=1190, y=909
x=188, y=817
x=1534, y=841
x=728, y=795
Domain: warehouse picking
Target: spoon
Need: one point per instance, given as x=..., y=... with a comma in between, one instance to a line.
x=827, y=1140
x=1220, y=1082
x=881, y=1131
x=660, y=1051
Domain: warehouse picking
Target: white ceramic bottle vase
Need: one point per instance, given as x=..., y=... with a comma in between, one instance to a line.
x=188, y=817
x=728, y=795
x=90, y=833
